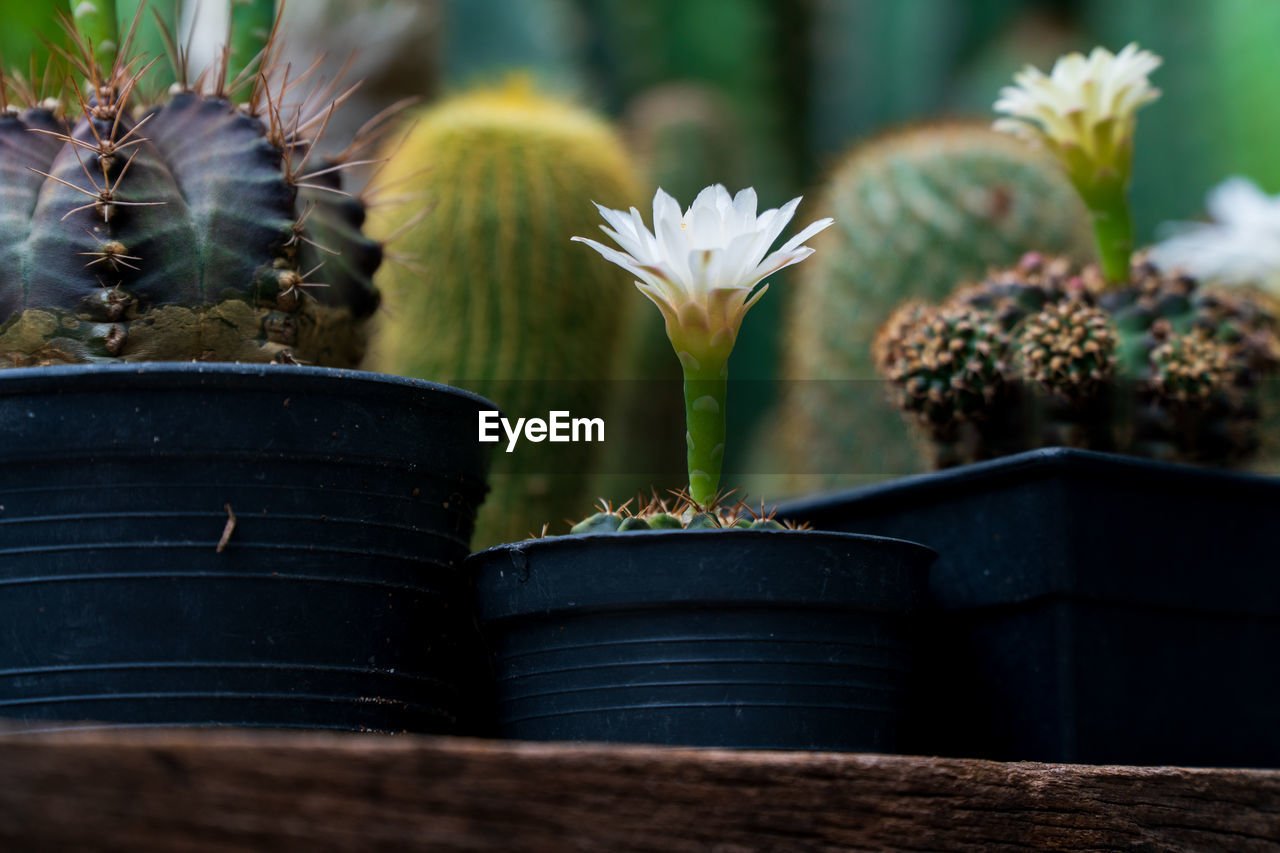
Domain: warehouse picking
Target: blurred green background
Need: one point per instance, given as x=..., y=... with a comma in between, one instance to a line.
x=773, y=92
x=770, y=92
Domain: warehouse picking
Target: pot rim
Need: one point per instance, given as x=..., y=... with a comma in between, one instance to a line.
x=642, y=570
x=1038, y=463
x=568, y=539
x=27, y=379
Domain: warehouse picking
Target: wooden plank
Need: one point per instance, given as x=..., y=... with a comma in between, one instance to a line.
x=231, y=790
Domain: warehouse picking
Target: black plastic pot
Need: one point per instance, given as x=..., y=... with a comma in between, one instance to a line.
x=767, y=639
x=1089, y=607
x=335, y=600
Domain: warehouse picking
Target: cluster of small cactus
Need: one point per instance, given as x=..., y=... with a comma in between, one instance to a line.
x=1067, y=348
x=204, y=226
x=496, y=298
x=681, y=513
x=948, y=365
x=1044, y=354
x=915, y=211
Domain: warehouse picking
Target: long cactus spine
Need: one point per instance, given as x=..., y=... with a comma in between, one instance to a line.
x=177, y=230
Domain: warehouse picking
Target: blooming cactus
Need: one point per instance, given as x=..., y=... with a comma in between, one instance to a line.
x=703, y=269
x=1084, y=113
x=191, y=228
x=1241, y=245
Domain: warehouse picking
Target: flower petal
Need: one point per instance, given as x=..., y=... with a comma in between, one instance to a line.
x=812, y=229
x=665, y=208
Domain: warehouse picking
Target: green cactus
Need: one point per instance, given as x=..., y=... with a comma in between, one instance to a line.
x=1157, y=368
x=681, y=513
x=1067, y=349
x=949, y=374
x=1197, y=359
x=153, y=23
x=1189, y=368
x=948, y=366
x=31, y=37
x=916, y=212
x=505, y=304
x=177, y=230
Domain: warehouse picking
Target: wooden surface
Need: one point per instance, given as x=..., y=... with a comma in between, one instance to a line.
x=241, y=790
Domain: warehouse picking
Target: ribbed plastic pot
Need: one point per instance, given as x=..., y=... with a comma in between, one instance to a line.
x=335, y=599
x=730, y=638
x=1088, y=607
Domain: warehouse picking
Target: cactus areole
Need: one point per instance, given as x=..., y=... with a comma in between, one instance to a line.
x=194, y=228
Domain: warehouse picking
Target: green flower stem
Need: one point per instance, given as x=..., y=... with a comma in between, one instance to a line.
x=95, y=21
x=1113, y=231
x=251, y=22
x=1106, y=196
x=706, y=387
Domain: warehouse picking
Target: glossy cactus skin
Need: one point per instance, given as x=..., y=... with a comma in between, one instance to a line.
x=504, y=303
x=175, y=232
x=916, y=211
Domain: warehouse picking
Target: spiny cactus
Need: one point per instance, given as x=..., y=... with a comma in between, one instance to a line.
x=1068, y=349
x=1157, y=368
x=1154, y=316
x=503, y=303
x=916, y=211
x=948, y=372
x=194, y=228
x=948, y=365
x=680, y=514
x=1189, y=368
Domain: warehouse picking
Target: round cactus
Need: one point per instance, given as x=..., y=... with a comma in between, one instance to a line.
x=1190, y=368
x=948, y=368
x=1010, y=296
x=192, y=228
x=1068, y=349
x=680, y=513
x=1157, y=368
x=916, y=212
x=499, y=300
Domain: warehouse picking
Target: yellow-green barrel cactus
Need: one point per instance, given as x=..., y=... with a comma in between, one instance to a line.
x=916, y=212
x=201, y=226
x=495, y=297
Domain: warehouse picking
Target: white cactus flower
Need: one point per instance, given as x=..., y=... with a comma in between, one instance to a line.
x=701, y=268
x=1085, y=108
x=1241, y=246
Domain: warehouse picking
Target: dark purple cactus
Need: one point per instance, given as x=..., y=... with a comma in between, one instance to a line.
x=196, y=228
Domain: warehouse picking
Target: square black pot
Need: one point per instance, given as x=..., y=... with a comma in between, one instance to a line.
x=1089, y=608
